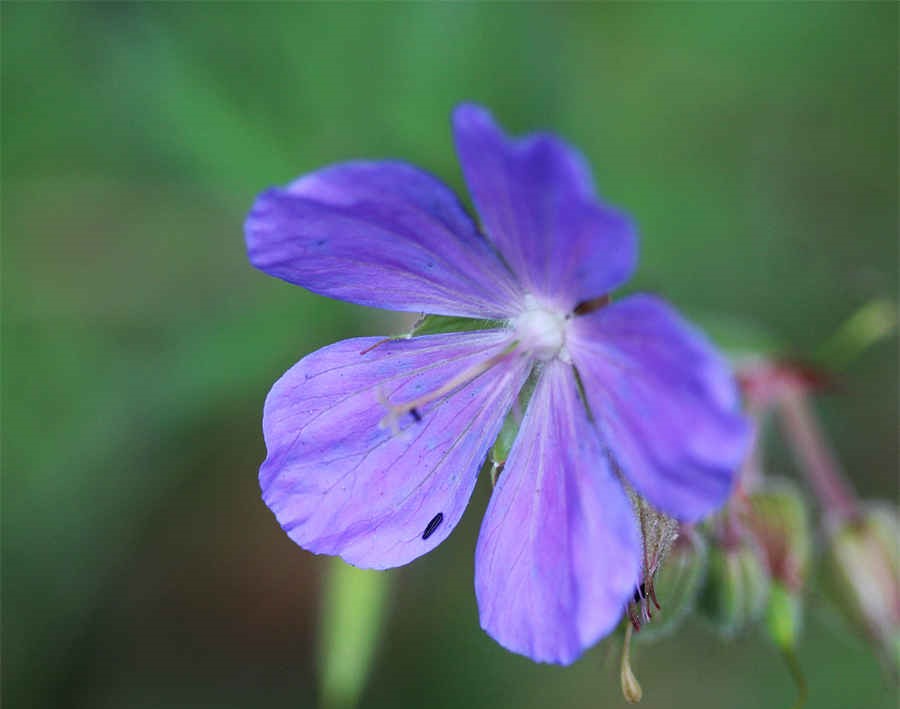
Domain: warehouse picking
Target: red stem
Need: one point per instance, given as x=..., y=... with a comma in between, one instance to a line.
x=816, y=458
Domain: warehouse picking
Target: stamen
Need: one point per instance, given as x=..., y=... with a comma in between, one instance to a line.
x=589, y=306
x=414, y=407
x=373, y=346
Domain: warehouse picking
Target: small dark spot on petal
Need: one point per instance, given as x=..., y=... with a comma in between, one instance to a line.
x=432, y=526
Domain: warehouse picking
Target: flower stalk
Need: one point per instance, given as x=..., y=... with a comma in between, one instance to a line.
x=817, y=460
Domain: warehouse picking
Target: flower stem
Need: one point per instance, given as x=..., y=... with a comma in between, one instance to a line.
x=751, y=473
x=816, y=459
x=797, y=675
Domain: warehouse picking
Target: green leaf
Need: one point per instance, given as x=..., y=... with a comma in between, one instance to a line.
x=873, y=322
x=439, y=324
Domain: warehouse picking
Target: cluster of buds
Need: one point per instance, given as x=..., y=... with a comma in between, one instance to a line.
x=860, y=540
x=750, y=564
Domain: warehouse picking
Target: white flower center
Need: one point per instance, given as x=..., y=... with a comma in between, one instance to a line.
x=541, y=331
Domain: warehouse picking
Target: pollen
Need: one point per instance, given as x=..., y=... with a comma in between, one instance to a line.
x=541, y=331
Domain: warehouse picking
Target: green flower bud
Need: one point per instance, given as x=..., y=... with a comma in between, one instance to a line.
x=862, y=565
x=736, y=589
x=784, y=616
x=777, y=517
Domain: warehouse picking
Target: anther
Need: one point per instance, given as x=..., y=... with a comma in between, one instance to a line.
x=589, y=306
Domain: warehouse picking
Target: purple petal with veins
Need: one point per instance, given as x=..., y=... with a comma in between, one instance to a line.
x=559, y=550
x=665, y=402
x=537, y=205
x=374, y=446
x=383, y=234
x=341, y=479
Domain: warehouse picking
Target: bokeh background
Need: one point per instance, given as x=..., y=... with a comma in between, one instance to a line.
x=755, y=144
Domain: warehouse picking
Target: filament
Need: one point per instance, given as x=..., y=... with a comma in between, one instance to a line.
x=395, y=411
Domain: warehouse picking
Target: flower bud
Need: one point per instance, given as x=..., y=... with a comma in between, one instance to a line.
x=784, y=616
x=777, y=517
x=862, y=567
x=736, y=588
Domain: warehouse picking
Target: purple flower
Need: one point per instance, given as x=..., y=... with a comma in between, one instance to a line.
x=373, y=451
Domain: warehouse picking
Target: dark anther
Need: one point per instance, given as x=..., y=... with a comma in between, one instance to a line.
x=433, y=525
x=415, y=414
x=589, y=306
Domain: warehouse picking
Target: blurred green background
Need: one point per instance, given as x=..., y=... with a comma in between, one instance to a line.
x=755, y=144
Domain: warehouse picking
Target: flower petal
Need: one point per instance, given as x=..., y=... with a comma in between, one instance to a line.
x=341, y=483
x=536, y=202
x=664, y=401
x=383, y=234
x=559, y=551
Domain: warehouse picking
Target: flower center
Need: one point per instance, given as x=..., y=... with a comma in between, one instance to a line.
x=541, y=331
